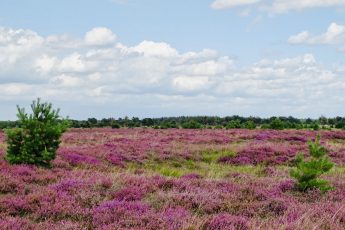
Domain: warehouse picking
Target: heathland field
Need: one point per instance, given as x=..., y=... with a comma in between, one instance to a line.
x=173, y=179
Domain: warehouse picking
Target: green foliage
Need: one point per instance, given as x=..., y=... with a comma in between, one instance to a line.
x=234, y=124
x=38, y=137
x=210, y=155
x=249, y=125
x=307, y=172
x=277, y=124
x=207, y=122
x=115, y=125
x=192, y=124
x=340, y=125
x=314, y=126
x=265, y=126
x=168, y=125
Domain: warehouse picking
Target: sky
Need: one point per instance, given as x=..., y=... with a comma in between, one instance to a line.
x=154, y=58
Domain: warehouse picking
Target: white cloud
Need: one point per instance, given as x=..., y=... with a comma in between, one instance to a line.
x=67, y=81
x=299, y=38
x=277, y=6
x=335, y=34
x=73, y=63
x=64, y=41
x=100, y=36
x=14, y=89
x=155, y=79
x=154, y=49
x=223, y=4
x=16, y=44
x=282, y=6
x=45, y=64
x=185, y=83
x=212, y=67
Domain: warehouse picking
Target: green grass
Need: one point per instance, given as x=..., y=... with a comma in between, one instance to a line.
x=170, y=172
x=217, y=171
x=171, y=168
x=207, y=166
x=211, y=170
x=210, y=155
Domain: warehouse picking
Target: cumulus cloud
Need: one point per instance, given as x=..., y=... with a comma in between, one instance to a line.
x=100, y=36
x=44, y=64
x=103, y=77
x=334, y=35
x=278, y=6
x=16, y=44
x=153, y=49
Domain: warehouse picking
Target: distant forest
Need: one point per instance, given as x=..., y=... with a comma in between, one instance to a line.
x=199, y=122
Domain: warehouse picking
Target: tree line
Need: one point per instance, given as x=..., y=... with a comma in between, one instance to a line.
x=198, y=122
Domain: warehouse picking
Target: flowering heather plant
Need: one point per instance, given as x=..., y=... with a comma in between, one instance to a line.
x=129, y=194
x=225, y=221
x=124, y=214
x=175, y=217
x=11, y=223
x=286, y=185
x=113, y=179
x=75, y=159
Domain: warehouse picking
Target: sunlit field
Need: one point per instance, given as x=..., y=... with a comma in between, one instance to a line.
x=173, y=179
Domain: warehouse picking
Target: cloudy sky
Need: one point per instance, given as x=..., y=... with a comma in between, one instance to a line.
x=153, y=58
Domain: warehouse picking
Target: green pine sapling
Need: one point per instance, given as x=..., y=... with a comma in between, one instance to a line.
x=38, y=137
x=307, y=172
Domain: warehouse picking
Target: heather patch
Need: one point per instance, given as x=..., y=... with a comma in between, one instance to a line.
x=173, y=179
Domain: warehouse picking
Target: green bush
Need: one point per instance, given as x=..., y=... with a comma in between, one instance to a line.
x=277, y=124
x=307, y=172
x=192, y=124
x=314, y=126
x=249, y=125
x=38, y=137
x=115, y=125
x=234, y=124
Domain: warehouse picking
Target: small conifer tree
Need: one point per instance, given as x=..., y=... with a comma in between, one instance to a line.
x=38, y=136
x=307, y=172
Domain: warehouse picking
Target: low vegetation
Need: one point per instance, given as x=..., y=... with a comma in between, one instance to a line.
x=175, y=179
x=168, y=179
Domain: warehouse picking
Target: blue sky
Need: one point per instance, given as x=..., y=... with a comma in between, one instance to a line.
x=150, y=58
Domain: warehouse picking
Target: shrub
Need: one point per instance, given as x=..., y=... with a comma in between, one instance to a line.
x=115, y=125
x=192, y=124
x=307, y=172
x=277, y=124
x=314, y=126
x=224, y=221
x=37, y=139
x=249, y=125
x=234, y=124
